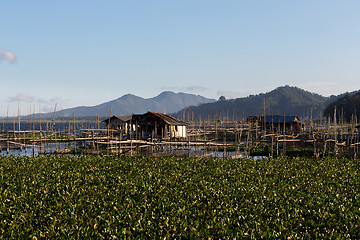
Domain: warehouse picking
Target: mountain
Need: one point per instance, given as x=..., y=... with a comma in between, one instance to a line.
x=165, y=102
x=284, y=100
x=347, y=106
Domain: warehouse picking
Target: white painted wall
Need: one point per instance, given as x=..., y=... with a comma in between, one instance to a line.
x=179, y=133
x=118, y=124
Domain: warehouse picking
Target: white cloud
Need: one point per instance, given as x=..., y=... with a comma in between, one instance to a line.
x=48, y=108
x=21, y=97
x=45, y=105
x=196, y=88
x=193, y=88
x=7, y=55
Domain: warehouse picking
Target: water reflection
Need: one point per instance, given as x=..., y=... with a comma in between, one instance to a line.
x=35, y=150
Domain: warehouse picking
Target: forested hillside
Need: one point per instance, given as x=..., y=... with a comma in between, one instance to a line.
x=284, y=100
x=347, y=107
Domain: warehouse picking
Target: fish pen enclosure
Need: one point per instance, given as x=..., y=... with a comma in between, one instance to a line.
x=220, y=138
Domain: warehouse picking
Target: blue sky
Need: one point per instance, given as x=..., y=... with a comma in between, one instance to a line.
x=83, y=53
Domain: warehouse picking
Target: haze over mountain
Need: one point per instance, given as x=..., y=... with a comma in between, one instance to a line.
x=284, y=100
x=165, y=102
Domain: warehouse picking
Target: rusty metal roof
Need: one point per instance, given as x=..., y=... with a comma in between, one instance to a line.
x=151, y=118
x=168, y=119
x=148, y=118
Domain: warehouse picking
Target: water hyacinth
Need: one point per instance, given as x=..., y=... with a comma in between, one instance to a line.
x=172, y=197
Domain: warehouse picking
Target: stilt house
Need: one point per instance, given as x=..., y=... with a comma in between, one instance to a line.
x=277, y=123
x=159, y=126
x=120, y=122
x=290, y=123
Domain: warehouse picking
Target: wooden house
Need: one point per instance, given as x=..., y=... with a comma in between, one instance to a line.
x=120, y=122
x=277, y=123
x=159, y=126
x=255, y=121
x=290, y=123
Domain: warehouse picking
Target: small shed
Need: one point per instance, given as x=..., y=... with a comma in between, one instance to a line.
x=277, y=122
x=291, y=123
x=119, y=122
x=159, y=125
x=255, y=121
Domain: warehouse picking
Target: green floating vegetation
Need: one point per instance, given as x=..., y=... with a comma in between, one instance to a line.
x=172, y=197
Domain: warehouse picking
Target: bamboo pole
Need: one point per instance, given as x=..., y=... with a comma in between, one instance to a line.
x=335, y=132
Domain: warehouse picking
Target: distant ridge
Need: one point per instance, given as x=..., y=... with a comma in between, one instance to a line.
x=285, y=100
x=165, y=102
x=347, y=107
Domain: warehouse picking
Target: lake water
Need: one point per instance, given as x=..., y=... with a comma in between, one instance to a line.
x=29, y=150
x=49, y=148
x=47, y=126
